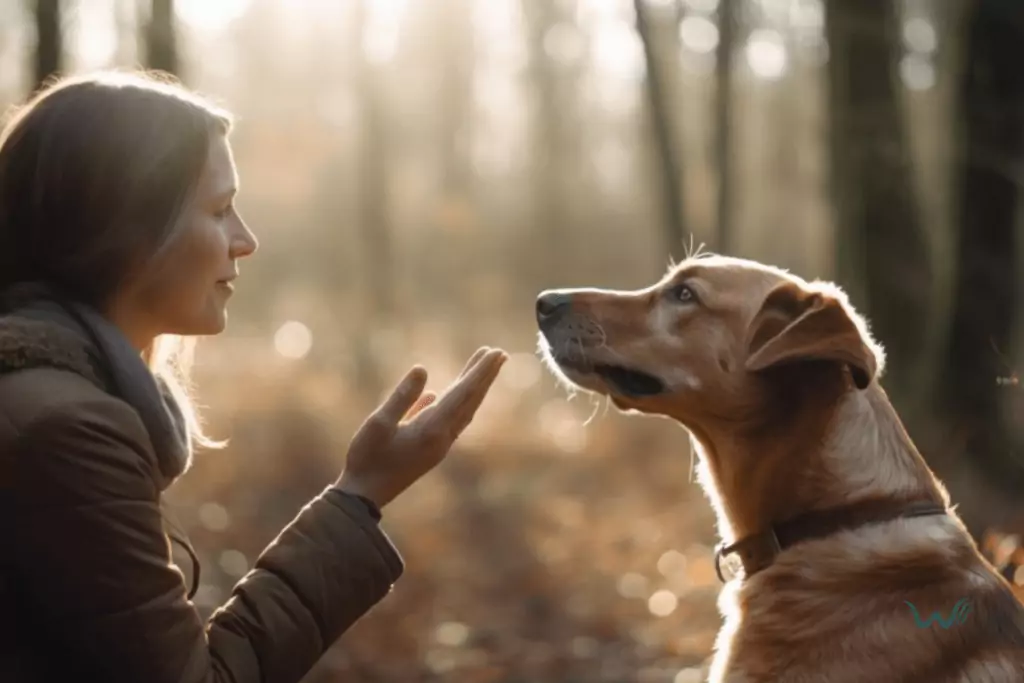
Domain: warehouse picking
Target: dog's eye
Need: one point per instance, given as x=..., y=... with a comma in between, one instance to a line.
x=684, y=294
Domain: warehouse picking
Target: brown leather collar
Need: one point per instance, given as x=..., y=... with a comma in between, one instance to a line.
x=757, y=551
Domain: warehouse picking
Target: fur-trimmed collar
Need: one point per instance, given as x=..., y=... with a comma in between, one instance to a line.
x=39, y=328
x=27, y=344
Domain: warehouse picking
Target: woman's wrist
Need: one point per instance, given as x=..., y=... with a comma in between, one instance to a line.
x=353, y=487
x=371, y=507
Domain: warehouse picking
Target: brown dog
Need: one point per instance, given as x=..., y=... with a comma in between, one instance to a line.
x=851, y=568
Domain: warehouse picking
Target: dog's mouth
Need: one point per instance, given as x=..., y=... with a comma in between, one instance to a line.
x=623, y=380
x=630, y=382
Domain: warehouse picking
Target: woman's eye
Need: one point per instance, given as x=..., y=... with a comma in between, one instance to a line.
x=684, y=294
x=223, y=213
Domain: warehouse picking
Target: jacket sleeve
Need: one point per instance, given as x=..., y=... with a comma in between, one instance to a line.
x=90, y=551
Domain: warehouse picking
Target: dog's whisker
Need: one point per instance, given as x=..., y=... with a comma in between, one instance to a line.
x=597, y=407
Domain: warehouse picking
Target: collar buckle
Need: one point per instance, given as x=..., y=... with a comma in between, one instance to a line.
x=749, y=554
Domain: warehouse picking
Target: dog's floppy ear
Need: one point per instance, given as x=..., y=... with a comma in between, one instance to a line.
x=796, y=324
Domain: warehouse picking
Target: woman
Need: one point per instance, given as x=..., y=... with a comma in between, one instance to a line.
x=119, y=234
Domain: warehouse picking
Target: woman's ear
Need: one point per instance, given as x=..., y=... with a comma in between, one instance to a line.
x=795, y=324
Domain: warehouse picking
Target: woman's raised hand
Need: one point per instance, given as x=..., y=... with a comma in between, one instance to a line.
x=412, y=431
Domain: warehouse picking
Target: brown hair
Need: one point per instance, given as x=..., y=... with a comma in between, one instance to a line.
x=96, y=172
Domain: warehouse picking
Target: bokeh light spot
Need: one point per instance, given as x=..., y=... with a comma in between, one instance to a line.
x=662, y=603
x=293, y=340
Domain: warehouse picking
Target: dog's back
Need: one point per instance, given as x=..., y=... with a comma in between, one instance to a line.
x=902, y=601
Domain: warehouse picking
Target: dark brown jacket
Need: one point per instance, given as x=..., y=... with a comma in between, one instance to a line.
x=88, y=591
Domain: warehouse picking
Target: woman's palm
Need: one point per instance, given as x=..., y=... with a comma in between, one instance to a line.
x=412, y=431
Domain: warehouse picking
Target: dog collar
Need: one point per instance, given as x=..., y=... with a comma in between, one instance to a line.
x=757, y=551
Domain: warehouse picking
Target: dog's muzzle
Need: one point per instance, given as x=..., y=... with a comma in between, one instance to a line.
x=554, y=309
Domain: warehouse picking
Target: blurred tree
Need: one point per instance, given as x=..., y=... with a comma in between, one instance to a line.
x=551, y=146
x=161, y=43
x=374, y=220
x=987, y=178
x=49, y=56
x=454, y=28
x=882, y=256
x=723, y=123
x=451, y=26
x=660, y=116
x=127, y=34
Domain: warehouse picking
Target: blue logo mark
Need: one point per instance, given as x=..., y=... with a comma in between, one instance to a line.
x=958, y=616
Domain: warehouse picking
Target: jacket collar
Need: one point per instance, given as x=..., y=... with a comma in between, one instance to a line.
x=39, y=329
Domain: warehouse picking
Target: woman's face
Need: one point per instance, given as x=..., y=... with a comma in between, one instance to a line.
x=187, y=293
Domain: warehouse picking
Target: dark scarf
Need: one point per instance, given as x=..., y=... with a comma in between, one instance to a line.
x=38, y=327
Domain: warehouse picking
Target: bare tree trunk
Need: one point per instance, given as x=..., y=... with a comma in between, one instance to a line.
x=550, y=143
x=49, y=42
x=374, y=220
x=454, y=28
x=127, y=34
x=882, y=255
x=456, y=99
x=723, y=123
x=972, y=403
x=161, y=43
x=668, y=160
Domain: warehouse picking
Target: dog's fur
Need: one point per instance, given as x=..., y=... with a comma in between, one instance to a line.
x=776, y=379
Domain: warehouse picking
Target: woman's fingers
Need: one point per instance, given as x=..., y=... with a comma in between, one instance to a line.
x=434, y=402
x=422, y=402
x=466, y=395
x=404, y=396
x=478, y=392
x=473, y=360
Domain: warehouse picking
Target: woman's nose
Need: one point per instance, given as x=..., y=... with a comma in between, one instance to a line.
x=243, y=242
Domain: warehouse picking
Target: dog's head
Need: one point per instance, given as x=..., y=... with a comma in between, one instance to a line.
x=706, y=342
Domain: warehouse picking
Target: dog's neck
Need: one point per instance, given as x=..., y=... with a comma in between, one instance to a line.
x=823, y=454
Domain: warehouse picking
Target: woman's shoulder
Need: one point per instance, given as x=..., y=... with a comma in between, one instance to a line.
x=63, y=440
x=48, y=386
x=44, y=394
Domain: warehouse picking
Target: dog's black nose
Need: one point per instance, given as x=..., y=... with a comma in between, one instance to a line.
x=551, y=306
